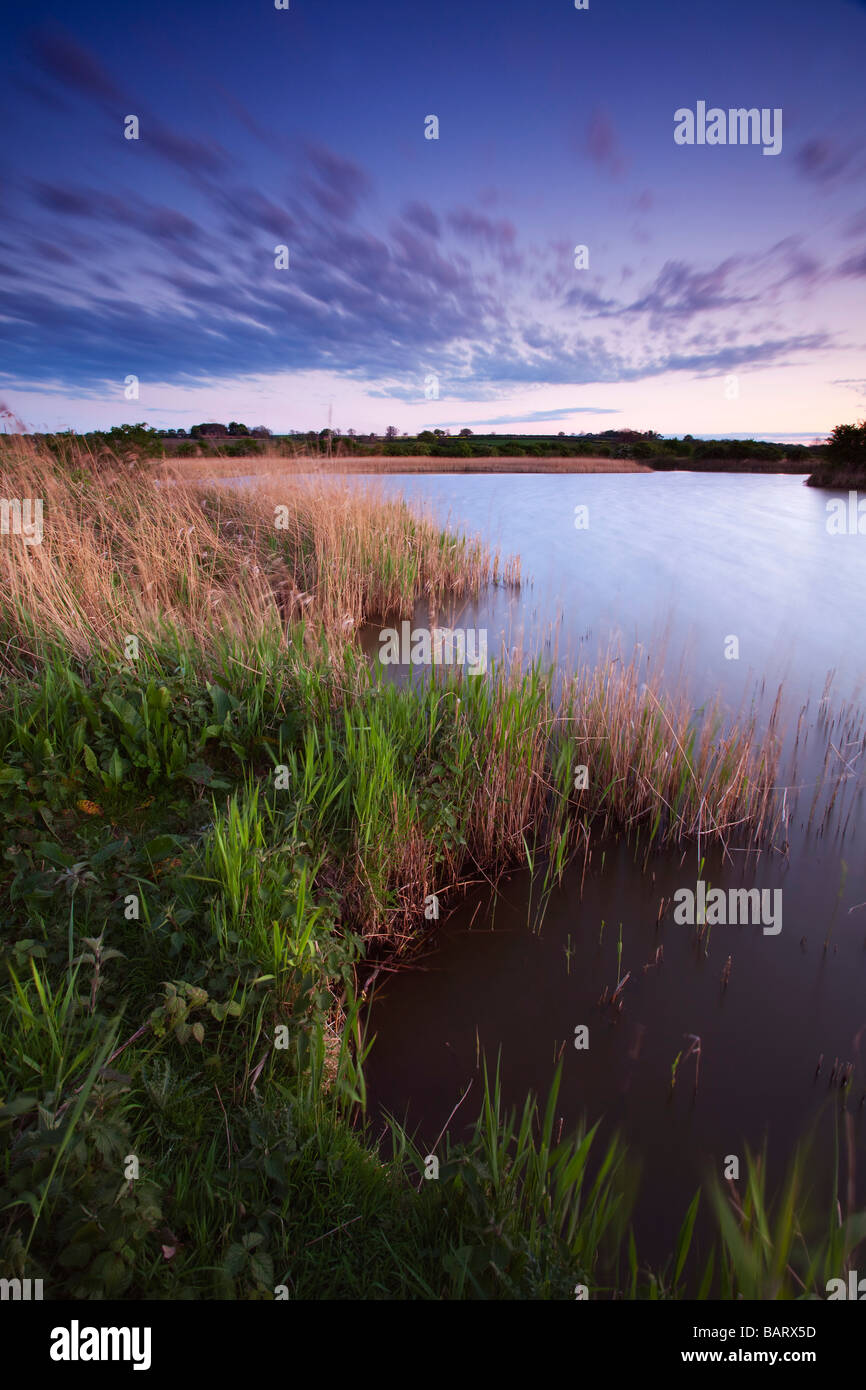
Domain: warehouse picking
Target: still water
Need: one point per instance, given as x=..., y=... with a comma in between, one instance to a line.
x=675, y=566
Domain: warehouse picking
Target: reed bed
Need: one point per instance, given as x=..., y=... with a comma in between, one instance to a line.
x=277, y=816
x=663, y=771
x=123, y=554
x=215, y=466
x=265, y=590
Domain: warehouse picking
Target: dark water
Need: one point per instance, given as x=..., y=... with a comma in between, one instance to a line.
x=673, y=565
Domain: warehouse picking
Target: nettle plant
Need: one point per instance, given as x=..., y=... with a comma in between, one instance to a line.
x=180, y=1001
x=122, y=734
x=144, y=734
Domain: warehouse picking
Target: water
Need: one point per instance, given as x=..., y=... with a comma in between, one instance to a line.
x=675, y=565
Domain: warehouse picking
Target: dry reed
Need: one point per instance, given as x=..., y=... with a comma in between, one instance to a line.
x=124, y=551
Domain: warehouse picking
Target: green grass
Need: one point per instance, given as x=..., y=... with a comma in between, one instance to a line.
x=206, y=850
x=174, y=913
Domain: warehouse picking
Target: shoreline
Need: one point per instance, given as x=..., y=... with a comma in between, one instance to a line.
x=394, y=463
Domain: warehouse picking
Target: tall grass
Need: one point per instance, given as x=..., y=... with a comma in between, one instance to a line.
x=214, y=1029
x=123, y=553
x=274, y=461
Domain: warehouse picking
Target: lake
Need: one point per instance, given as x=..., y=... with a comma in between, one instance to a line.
x=674, y=565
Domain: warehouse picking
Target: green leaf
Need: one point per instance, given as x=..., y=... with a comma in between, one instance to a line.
x=117, y=768
x=199, y=773
x=684, y=1239
x=19, y=1106
x=129, y=717
x=262, y=1268
x=75, y=1256
x=236, y=1258
x=161, y=846
x=107, y=852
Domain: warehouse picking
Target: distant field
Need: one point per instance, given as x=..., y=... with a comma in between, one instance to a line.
x=392, y=463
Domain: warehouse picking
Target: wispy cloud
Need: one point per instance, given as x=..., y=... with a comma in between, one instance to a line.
x=536, y=417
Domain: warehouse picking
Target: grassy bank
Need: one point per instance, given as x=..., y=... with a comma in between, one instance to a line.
x=215, y=466
x=218, y=822
x=838, y=476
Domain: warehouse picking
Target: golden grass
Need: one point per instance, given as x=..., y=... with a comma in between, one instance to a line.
x=125, y=552
x=126, y=549
x=221, y=467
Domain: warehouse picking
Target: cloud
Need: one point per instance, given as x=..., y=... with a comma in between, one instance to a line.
x=856, y=384
x=590, y=300
x=188, y=290
x=854, y=267
x=73, y=68
x=772, y=352
x=602, y=144
x=680, y=291
x=59, y=56
x=421, y=215
x=824, y=159
x=537, y=417
x=194, y=156
x=68, y=201
x=498, y=236
x=339, y=184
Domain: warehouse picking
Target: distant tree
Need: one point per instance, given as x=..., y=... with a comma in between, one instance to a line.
x=235, y=427
x=261, y=431
x=439, y=434
x=846, y=446
x=131, y=440
x=391, y=432
x=465, y=434
x=427, y=435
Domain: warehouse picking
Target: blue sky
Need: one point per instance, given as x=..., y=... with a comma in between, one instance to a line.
x=725, y=288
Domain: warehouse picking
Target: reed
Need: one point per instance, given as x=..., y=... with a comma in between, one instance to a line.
x=125, y=552
x=261, y=907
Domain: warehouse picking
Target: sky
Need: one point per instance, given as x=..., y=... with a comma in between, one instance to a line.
x=432, y=282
